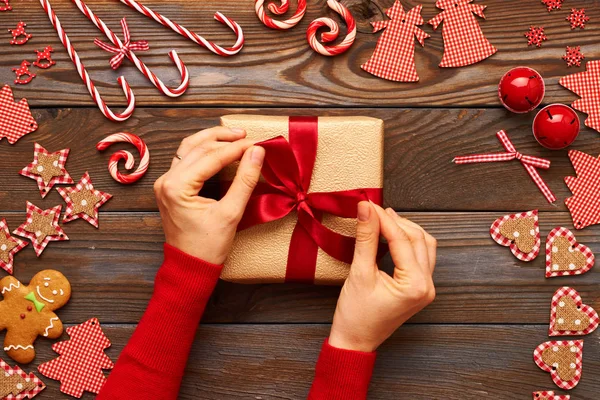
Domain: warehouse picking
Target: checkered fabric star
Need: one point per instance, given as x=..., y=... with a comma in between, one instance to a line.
x=573, y=56
x=578, y=18
x=569, y=316
x=563, y=360
x=83, y=201
x=536, y=36
x=549, y=395
x=553, y=4
x=41, y=227
x=584, y=205
x=81, y=361
x=587, y=86
x=16, y=120
x=27, y=385
x=9, y=246
x=48, y=169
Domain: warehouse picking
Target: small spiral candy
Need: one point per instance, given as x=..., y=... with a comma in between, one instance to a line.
x=326, y=37
x=113, y=163
x=259, y=7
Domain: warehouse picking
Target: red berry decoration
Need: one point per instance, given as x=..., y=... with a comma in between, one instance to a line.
x=556, y=126
x=521, y=89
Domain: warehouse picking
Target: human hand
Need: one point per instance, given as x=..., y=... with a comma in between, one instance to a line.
x=201, y=227
x=373, y=304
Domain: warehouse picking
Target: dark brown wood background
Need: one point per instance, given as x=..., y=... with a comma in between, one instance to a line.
x=261, y=341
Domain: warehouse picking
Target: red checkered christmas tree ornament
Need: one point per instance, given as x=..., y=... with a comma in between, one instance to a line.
x=556, y=126
x=585, y=203
x=464, y=42
x=521, y=90
x=16, y=120
x=81, y=361
x=587, y=86
x=394, y=56
x=578, y=18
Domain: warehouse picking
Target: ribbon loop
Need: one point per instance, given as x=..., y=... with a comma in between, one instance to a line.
x=125, y=49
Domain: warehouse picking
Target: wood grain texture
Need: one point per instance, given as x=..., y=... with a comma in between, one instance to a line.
x=419, y=147
x=275, y=362
x=112, y=272
x=279, y=68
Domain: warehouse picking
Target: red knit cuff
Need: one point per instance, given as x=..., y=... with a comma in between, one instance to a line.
x=342, y=374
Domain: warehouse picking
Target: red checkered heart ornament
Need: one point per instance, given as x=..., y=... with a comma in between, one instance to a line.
x=564, y=361
x=520, y=232
x=569, y=316
x=546, y=395
x=564, y=256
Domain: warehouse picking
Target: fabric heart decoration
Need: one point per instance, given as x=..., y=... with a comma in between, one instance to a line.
x=549, y=396
x=520, y=232
x=564, y=361
x=569, y=316
x=564, y=256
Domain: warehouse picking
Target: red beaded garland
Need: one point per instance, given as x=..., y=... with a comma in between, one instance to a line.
x=556, y=126
x=521, y=89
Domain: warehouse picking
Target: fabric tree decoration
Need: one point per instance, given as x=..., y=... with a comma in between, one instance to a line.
x=464, y=42
x=16, y=120
x=394, y=56
x=587, y=86
x=82, y=359
x=585, y=203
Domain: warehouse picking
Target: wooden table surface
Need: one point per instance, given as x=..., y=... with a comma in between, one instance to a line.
x=261, y=341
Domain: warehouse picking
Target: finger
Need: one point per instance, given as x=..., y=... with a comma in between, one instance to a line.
x=212, y=134
x=202, y=149
x=429, y=240
x=367, y=238
x=417, y=237
x=246, y=178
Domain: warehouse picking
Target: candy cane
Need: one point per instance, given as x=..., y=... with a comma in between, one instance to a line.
x=311, y=33
x=183, y=31
x=113, y=163
x=62, y=35
x=126, y=50
x=259, y=7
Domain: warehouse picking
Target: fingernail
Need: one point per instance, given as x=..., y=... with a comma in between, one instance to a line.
x=390, y=211
x=238, y=130
x=258, y=155
x=364, y=211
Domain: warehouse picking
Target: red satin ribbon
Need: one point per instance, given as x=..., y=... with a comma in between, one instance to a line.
x=287, y=170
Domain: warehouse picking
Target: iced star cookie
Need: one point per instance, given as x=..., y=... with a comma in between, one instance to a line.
x=519, y=232
x=564, y=256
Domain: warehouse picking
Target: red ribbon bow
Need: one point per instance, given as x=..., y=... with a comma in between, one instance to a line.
x=124, y=49
x=287, y=170
x=530, y=163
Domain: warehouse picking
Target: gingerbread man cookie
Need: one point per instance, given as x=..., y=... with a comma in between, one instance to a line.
x=27, y=311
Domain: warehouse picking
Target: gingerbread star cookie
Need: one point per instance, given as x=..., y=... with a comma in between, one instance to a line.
x=564, y=256
x=546, y=395
x=9, y=246
x=41, y=227
x=83, y=201
x=519, y=232
x=563, y=359
x=569, y=316
x=48, y=169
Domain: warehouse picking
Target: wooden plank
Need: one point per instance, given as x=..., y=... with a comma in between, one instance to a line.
x=419, y=147
x=279, y=68
x=420, y=362
x=112, y=272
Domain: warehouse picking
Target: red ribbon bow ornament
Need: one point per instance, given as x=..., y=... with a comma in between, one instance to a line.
x=124, y=50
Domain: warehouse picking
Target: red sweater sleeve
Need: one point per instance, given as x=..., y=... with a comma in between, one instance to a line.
x=342, y=374
x=151, y=365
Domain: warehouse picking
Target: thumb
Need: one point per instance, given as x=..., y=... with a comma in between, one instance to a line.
x=367, y=238
x=245, y=181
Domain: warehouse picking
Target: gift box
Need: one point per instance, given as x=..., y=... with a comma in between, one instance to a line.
x=300, y=223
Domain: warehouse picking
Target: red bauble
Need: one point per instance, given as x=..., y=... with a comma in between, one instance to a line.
x=556, y=126
x=521, y=89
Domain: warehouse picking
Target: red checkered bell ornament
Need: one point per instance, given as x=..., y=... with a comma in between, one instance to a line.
x=556, y=126
x=521, y=90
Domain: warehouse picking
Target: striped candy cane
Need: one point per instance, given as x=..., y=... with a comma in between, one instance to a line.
x=326, y=37
x=127, y=49
x=62, y=35
x=113, y=163
x=259, y=7
x=183, y=31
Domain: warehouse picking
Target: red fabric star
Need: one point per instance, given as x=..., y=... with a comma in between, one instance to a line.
x=536, y=36
x=573, y=56
x=553, y=4
x=578, y=18
x=83, y=201
x=9, y=246
x=587, y=86
x=48, y=175
x=16, y=120
x=41, y=227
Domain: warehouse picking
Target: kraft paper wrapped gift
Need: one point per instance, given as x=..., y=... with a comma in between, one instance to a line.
x=349, y=157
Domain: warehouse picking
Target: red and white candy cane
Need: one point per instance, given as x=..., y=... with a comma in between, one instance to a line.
x=183, y=31
x=113, y=163
x=127, y=48
x=259, y=7
x=326, y=37
x=62, y=35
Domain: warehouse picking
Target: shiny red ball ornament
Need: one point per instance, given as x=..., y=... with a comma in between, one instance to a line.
x=556, y=126
x=521, y=90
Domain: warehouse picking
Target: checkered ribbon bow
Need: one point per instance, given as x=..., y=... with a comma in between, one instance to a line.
x=124, y=49
x=530, y=163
